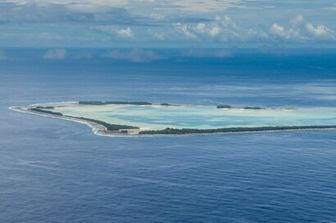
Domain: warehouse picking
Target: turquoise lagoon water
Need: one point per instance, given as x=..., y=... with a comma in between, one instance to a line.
x=198, y=116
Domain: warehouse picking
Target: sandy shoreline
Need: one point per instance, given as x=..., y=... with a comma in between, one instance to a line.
x=96, y=128
x=101, y=130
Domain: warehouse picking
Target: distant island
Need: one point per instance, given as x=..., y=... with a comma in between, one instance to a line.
x=145, y=118
x=113, y=103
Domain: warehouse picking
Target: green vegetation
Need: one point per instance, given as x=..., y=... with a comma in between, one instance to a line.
x=246, y=107
x=91, y=103
x=173, y=131
x=113, y=103
x=165, y=104
x=108, y=126
x=126, y=129
x=37, y=109
x=224, y=106
x=129, y=103
x=253, y=108
x=45, y=107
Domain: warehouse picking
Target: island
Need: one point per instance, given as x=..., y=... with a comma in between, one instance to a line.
x=124, y=118
x=115, y=103
x=224, y=106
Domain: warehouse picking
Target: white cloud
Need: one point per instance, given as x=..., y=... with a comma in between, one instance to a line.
x=200, y=6
x=319, y=30
x=282, y=32
x=96, y=5
x=203, y=6
x=56, y=54
x=214, y=31
x=183, y=28
x=98, y=22
x=200, y=27
x=277, y=29
x=126, y=33
x=76, y=5
x=301, y=30
x=227, y=21
x=134, y=55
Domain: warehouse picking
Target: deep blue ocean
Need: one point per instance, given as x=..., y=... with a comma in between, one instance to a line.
x=58, y=171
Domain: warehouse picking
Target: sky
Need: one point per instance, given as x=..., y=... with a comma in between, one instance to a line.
x=166, y=23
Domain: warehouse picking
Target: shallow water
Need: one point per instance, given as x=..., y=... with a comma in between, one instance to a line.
x=157, y=117
x=57, y=171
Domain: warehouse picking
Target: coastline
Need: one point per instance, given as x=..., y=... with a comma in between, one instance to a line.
x=96, y=129
x=101, y=130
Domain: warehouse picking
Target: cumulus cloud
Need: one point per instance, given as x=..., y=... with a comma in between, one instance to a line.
x=281, y=31
x=300, y=29
x=134, y=55
x=227, y=29
x=319, y=30
x=221, y=29
x=277, y=29
x=185, y=30
x=201, y=27
x=99, y=22
x=126, y=33
x=214, y=31
x=227, y=21
x=55, y=54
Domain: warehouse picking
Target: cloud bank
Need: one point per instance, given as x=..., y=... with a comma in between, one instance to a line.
x=105, y=23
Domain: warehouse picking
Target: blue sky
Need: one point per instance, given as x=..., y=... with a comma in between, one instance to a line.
x=167, y=23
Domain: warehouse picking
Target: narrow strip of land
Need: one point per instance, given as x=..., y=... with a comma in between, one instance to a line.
x=102, y=127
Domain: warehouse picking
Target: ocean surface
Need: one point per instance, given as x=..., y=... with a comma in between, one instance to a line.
x=58, y=171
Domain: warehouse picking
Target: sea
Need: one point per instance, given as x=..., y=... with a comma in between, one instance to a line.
x=58, y=171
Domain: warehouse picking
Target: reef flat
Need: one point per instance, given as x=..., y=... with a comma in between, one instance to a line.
x=111, y=118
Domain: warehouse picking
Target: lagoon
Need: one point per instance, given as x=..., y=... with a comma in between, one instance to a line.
x=144, y=118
